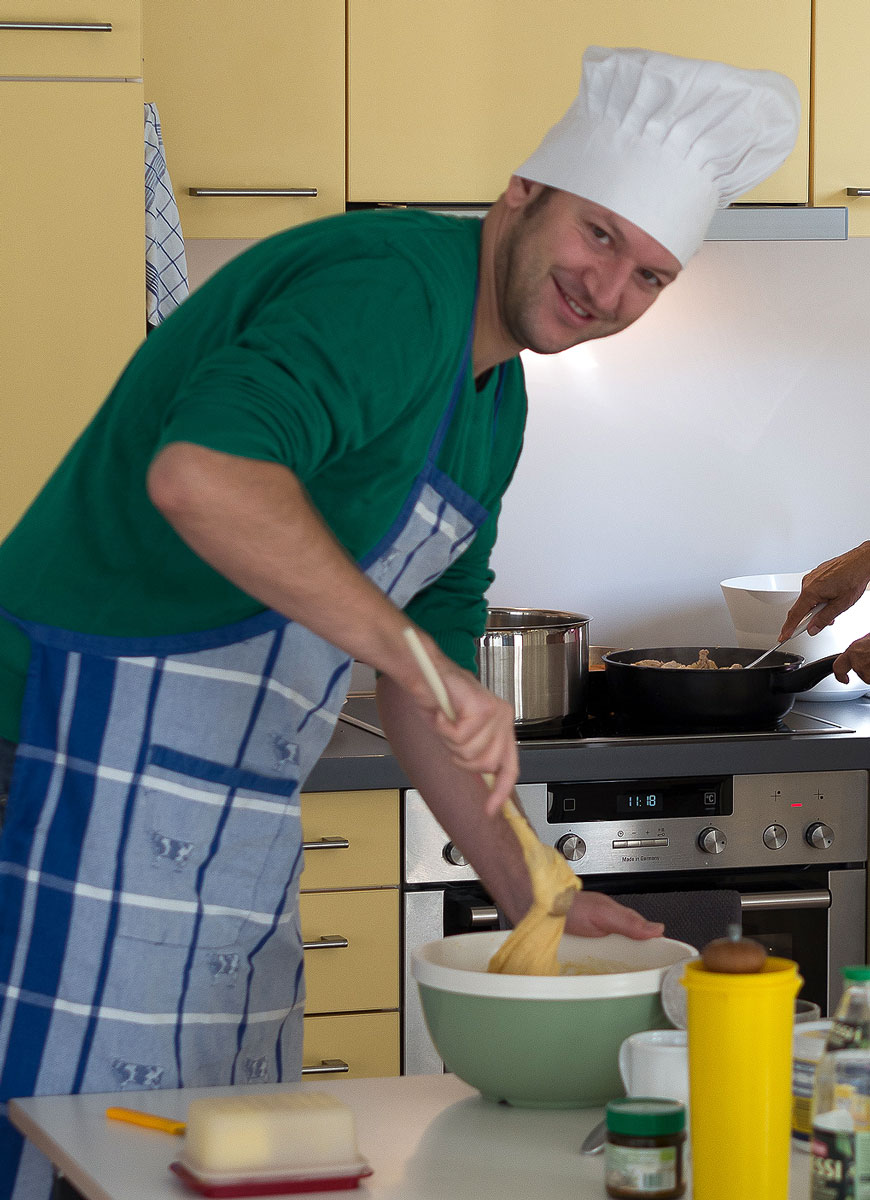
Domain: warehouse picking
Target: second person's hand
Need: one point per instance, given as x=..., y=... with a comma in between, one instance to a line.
x=838, y=584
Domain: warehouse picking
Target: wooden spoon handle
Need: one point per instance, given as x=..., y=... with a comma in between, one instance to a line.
x=439, y=691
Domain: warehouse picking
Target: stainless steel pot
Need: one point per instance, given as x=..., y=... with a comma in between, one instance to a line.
x=538, y=659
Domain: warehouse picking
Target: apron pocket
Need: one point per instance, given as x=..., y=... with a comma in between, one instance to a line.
x=211, y=853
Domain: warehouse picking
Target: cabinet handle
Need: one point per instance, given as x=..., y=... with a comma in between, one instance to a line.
x=858, y=191
x=327, y=941
x=328, y=1066
x=327, y=843
x=91, y=27
x=252, y=191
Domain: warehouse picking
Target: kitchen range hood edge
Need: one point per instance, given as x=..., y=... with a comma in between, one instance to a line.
x=739, y=223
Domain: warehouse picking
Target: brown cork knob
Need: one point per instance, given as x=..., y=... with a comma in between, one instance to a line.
x=734, y=954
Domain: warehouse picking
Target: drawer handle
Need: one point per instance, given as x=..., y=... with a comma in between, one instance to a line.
x=327, y=843
x=67, y=26
x=328, y=941
x=328, y=1066
x=252, y=191
x=858, y=191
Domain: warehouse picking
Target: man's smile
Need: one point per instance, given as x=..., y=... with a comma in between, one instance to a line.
x=575, y=306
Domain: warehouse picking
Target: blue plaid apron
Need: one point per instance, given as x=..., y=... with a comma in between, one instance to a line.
x=150, y=859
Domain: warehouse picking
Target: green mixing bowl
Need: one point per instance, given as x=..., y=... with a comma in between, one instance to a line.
x=541, y=1041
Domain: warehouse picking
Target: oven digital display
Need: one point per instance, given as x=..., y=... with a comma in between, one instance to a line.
x=611, y=800
x=640, y=804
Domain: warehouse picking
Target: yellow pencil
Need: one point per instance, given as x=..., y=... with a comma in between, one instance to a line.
x=134, y=1117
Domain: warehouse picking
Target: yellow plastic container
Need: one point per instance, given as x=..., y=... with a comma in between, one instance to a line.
x=740, y=1062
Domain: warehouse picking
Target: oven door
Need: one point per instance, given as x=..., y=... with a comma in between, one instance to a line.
x=816, y=917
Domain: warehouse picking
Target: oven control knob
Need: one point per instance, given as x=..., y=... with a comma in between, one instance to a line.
x=775, y=837
x=572, y=846
x=712, y=840
x=819, y=835
x=454, y=856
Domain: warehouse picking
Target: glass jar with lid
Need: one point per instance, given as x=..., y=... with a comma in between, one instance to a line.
x=645, y=1149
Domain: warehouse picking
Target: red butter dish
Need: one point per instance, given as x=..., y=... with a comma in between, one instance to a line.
x=331, y=1179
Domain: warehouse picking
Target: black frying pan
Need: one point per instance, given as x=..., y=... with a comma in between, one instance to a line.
x=722, y=700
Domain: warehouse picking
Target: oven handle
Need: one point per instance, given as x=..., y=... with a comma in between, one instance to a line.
x=484, y=914
x=758, y=901
x=487, y=914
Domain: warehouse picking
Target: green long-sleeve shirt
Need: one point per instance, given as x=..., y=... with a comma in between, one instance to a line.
x=330, y=348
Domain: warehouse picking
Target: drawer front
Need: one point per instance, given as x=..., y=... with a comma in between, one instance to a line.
x=364, y=973
x=92, y=38
x=352, y=839
x=351, y=1046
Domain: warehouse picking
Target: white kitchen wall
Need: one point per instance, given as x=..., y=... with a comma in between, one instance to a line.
x=726, y=433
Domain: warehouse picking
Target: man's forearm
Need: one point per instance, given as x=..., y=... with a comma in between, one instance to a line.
x=457, y=800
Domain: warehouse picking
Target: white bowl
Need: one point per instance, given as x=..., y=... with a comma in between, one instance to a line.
x=758, y=605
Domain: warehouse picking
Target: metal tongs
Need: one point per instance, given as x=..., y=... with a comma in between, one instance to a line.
x=802, y=627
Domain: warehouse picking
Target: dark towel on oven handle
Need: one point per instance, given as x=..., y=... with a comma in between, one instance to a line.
x=694, y=917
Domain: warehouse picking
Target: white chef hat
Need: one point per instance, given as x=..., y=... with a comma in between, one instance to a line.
x=665, y=141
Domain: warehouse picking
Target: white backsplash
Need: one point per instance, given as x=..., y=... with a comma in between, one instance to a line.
x=726, y=433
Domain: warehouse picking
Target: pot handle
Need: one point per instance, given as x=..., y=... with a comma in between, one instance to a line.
x=801, y=679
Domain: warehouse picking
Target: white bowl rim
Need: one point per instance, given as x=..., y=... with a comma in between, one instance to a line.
x=765, y=582
x=432, y=974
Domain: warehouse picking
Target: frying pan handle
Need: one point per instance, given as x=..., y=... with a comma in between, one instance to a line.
x=801, y=679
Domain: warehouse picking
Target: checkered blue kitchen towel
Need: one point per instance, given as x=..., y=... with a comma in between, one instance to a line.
x=166, y=282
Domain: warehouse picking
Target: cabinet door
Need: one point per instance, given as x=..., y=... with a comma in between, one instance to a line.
x=351, y=839
x=368, y=1043
x=72, y=266
x=446, y=98
x=364, y=973
x=841, y=149
x=251, y=98
x=85, y=38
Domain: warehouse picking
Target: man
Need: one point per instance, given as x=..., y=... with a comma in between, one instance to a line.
x=308, y=456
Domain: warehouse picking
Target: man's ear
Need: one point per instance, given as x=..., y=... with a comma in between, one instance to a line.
x=520, y=192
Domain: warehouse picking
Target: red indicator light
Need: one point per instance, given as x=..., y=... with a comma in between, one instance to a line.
x=798, y=805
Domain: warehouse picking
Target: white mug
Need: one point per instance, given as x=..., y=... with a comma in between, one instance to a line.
x=655, y=1062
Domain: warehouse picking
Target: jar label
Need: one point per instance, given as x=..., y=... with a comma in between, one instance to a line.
x=803, y=1076
x=840, y=1165
x=641, y=1170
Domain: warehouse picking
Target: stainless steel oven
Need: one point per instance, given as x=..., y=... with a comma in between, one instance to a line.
x=793, y=847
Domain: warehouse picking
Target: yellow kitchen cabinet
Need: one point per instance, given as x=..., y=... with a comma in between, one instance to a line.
x=351, y=839
x=351, y=1045
x=78, y=38
x=351, y=944
x=349, y=912
x=72, y=269
x=446, y=98
x=841, y=150
x=251, y=100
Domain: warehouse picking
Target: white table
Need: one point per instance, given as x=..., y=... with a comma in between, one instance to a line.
x=427, y=1137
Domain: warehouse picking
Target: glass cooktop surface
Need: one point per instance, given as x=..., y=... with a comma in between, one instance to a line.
x=361, y=710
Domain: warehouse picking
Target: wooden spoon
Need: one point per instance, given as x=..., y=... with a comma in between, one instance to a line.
x=531, y=947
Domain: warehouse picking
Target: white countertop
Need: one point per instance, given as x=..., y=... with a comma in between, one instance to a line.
x=427, y=1137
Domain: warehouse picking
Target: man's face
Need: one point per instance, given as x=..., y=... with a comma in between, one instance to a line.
x=569, y=270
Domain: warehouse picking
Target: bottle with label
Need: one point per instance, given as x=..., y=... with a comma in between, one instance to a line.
x=841, y=1098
